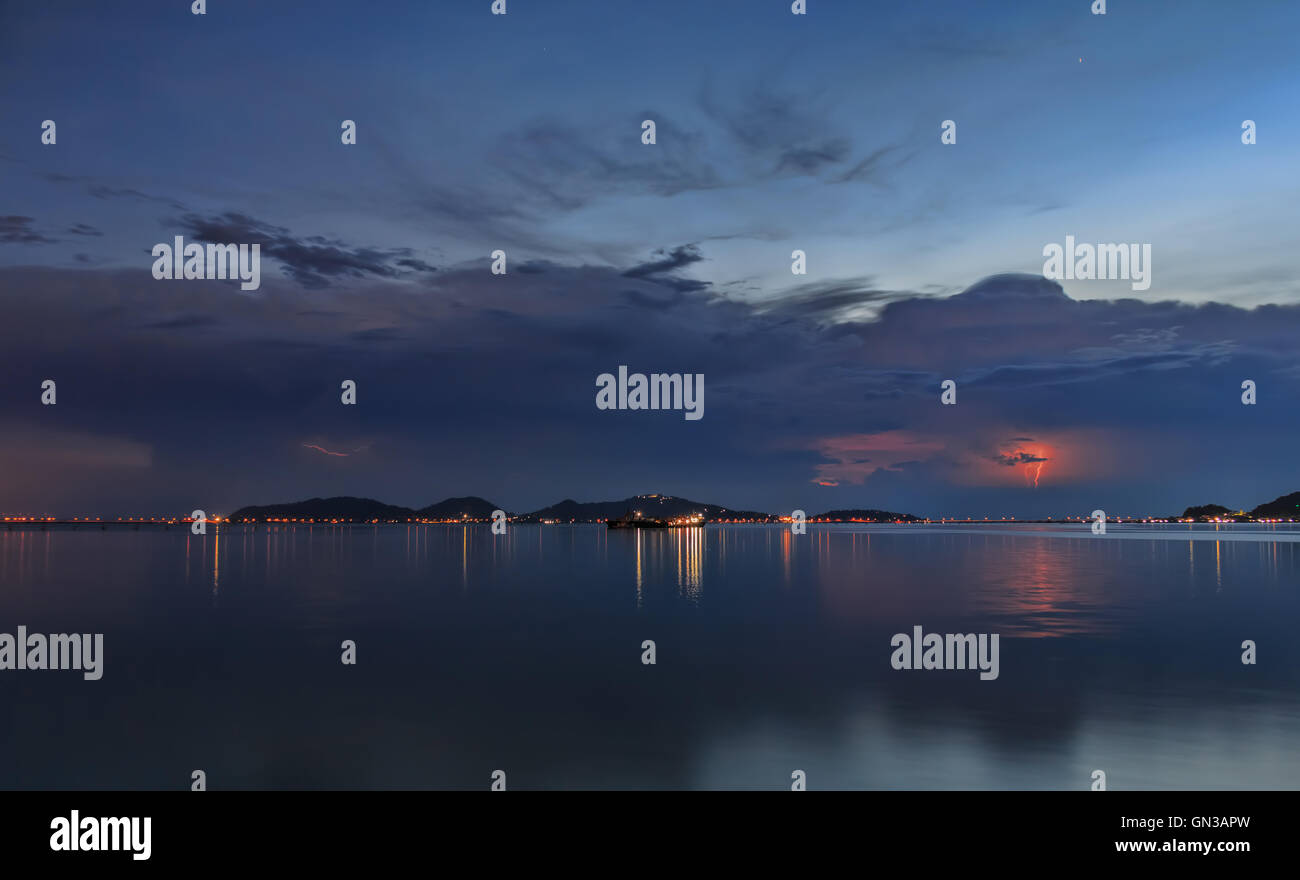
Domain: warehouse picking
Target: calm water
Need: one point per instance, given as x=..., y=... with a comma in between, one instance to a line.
x=523, y=653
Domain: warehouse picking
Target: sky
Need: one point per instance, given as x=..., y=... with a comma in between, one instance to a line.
x=774, y=133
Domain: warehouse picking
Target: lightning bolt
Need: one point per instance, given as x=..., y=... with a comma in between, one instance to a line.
x=1033, y=470
x=327, y=452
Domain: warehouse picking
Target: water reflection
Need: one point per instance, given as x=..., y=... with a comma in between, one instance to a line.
x=525, y=645
x=216, y=559
x=1038, y=589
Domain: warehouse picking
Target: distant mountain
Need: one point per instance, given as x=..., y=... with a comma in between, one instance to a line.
x=349, y=509
x=1286, y=507
x=652, y=506
x=868, y=515
x=469, y=507
x=1206, y=510
x=343, y=507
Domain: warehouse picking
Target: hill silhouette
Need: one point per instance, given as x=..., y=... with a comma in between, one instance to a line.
x=1285, y=507
x=343, y=507
x=1206, y=510
x=475, y=509
x=866, y=515
x=652, y=506
x=468, y=507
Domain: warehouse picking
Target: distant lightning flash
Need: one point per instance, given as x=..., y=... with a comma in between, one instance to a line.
x=1033, y=462
x=324, y=450
x=1034, y=469
x=328, y=452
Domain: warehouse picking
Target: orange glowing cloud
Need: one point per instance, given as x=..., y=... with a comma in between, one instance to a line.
x=1061, y=457
x=1028, y=459
x=1004, y=458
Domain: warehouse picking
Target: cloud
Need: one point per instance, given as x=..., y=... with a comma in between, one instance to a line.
x=872, y=167
x=313, y=261
x=659, y=271
x=855, y=457
x=670, y=261
x=1014, y=458
x=835, y=301
x=562, y=165
x=456, y=369
x=554, y=165
x=105, y=192
x=1087, y=366
x=789, y=134
x=18, y=230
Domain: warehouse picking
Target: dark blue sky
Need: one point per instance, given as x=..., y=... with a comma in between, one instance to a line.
x=775, y=132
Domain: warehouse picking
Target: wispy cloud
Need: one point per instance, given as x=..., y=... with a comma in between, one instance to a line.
x=18, y=230
x=313, y=261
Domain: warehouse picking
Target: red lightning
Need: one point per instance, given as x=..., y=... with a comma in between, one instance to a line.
x=1038, y=472
x=327, y=452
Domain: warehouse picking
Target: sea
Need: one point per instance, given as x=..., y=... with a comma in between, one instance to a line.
x=336, y=657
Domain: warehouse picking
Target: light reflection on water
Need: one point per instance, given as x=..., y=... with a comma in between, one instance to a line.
x=524, y=649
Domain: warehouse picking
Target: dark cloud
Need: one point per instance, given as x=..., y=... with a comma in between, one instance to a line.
x=1011, y=459
x=18, y=230
x=552, y=164
x=84, y=229
x=451, y=392
x=312, y=261
x=104, y=192
x=678, y=257
x=659, y=271
x=416, y=265
x=1084, y=368
x=644, y=300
